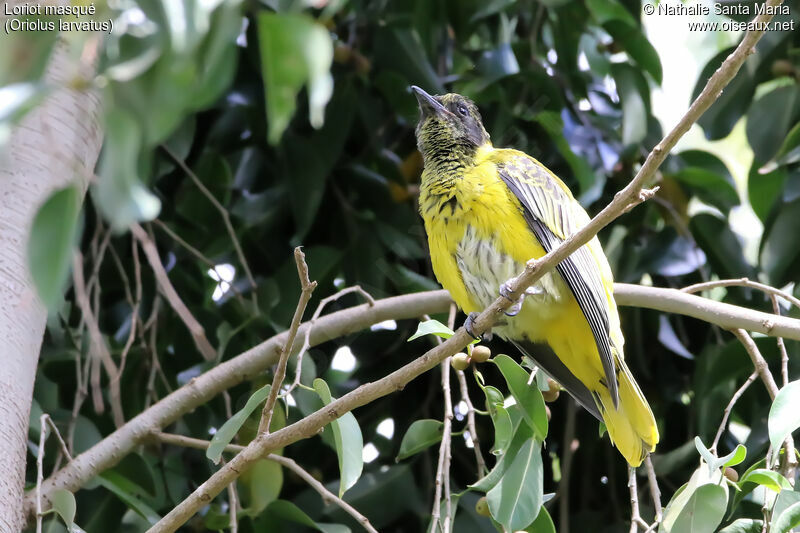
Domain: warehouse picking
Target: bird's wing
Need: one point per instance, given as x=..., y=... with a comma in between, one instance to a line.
x=553, y=214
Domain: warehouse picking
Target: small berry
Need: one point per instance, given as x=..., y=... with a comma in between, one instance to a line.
x=547, y=412
x=731, y=474
x=460, y=361
x=481, y=354
x=482, y=507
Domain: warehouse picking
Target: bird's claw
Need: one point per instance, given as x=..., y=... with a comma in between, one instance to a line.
x=468, y=325
x=516, y=305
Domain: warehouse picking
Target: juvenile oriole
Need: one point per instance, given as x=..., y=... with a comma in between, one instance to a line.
x=487, y=211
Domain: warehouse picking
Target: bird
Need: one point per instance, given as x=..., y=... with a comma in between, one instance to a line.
x=486, y=212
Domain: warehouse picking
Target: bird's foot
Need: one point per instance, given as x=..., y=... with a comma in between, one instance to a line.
x=469, y=323
x=516, y=305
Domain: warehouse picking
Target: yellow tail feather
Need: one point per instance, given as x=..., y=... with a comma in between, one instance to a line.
x=631, y=426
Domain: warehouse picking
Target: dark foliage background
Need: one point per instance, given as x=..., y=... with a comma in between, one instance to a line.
x=568, y=82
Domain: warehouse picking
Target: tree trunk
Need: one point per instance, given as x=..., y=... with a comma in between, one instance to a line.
x=55, y=144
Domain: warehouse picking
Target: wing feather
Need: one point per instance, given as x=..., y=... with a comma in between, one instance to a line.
x=552, y=216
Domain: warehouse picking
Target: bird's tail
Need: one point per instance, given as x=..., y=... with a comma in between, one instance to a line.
x=631, y=425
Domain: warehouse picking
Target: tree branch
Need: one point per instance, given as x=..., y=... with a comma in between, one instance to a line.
x=254, y=361
x=194, y=327
x=307, y=287
x=327, y=496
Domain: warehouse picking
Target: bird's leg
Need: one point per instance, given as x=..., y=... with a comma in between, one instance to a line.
x=505, y=292
x=468, y=323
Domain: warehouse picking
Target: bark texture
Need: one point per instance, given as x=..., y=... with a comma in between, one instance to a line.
x=55, y=144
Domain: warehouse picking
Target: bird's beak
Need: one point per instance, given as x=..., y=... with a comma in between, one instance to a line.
x=428, y=105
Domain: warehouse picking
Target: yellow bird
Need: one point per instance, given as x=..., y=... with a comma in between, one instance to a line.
x=489, y=210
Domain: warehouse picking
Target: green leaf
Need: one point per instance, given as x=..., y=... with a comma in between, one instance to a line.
x=743, y=525
x=721, y=245
x=708, y=178
x=788, y=153
x=522, y=434
x=503, y=429
x=607, y=10
x=786, y=512
x=52, y=240
x=770, y=119
x=230, y=428
x=516, y=500
x=119, y=193
x=349, y=442
x=637, y=46
x=285, y=511
x=263, y=482
x=130, y=493
x=704, y=510
x=419, y=436
x=295, y=51
x=527, y=396
x=432, y=327
x=634, y=109
x=718, y=121
x=779, y=250
x=784, y=416
x=767, y=478
x=734, y=458
x=542, y=524
x=63, y=502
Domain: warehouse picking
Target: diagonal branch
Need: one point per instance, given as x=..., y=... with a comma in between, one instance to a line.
x=624, y=200
x=257, y=359
x=307, y=287
x=327, y=496
x=194, y=327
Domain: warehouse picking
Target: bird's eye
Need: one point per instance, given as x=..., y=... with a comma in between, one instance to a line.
x=462, y=110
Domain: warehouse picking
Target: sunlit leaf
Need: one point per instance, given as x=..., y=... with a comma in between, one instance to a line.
x=528, y=396
x=230, y=428
x=704, y=510
x=784, y=416
x=432, y=327
x=516, y=500
x=295, y=51
x=349, y=442
x=51, y=243
x=419, y=436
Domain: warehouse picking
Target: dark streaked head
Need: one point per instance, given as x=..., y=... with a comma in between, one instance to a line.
x=449, y=127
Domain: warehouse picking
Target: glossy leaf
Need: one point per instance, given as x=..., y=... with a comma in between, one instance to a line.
x=295, y=51
x=130, y=493
x=420, y=435
x=527, y=395
x=786, y=512
x=743, y=525
x=52, y=241
x=348, y=439
x=773, y=114
x=229, y=429
x=543, y=523
x=63, y=502
x=767, y=478
x=432, y=327
x=634, y=109
x=516, y=500
x=704, y=510
x=784, y=416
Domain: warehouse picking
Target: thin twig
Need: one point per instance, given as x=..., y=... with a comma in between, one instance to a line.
x=789, y=462
x=635, y=517
x=327, y=496
x=257, y=359
x=480, y=463
x=443, y=465
x=98, y=349
x=742, y=282
x=198, y=254
x=40, y=472
x=225, y=218
x=655, y=492
x=317, y=312
x=776, y=309
x=727, y=412
x=169, y=292
x=307, y=287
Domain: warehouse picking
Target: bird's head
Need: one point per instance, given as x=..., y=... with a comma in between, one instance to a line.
x=449, y=128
